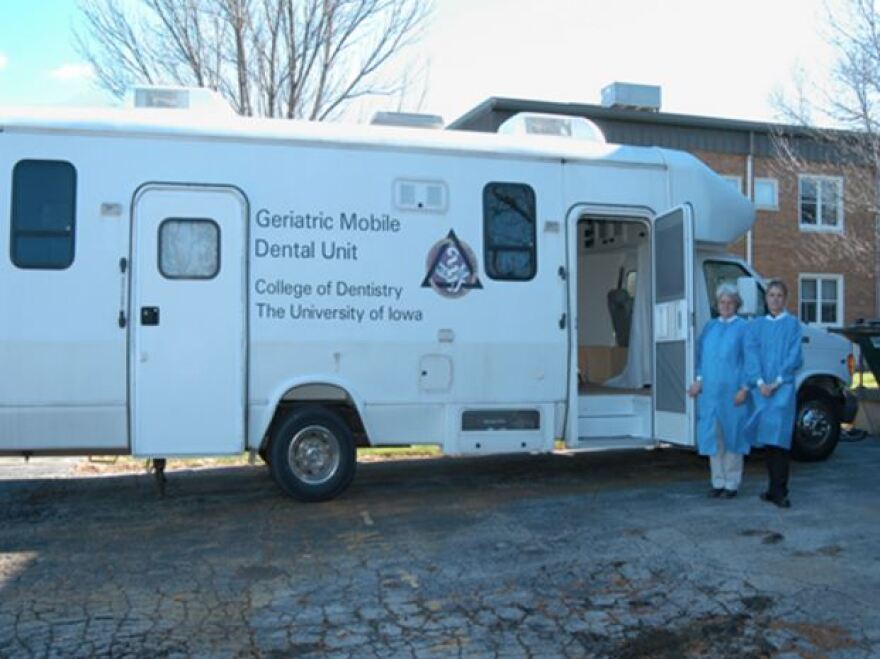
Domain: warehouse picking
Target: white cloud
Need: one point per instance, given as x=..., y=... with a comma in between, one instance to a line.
x=72, y=72
x=4, y=60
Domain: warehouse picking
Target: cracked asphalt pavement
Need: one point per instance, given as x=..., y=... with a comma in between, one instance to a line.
x=607, y=555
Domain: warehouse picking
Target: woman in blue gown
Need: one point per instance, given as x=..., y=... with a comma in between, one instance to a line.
x=773, y=356
x=722, y=392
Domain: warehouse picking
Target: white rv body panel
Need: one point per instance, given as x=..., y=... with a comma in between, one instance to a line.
x=63, y=355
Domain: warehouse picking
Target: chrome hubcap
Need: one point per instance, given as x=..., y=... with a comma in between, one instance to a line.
x=814, y=426
x=314, y=455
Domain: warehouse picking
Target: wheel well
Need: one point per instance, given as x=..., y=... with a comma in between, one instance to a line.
x=331, y=397
x=821, y=386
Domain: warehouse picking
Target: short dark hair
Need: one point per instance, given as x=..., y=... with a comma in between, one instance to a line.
x=778, y=283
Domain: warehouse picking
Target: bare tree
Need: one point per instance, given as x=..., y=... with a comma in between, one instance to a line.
x=276, y=58
x=850, y=102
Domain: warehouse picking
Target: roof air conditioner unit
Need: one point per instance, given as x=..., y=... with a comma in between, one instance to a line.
x=558, y=125
x=193, y=99
x=627, y=96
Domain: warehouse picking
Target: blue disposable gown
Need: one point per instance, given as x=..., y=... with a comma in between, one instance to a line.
x=721, y=365
x=773, y=353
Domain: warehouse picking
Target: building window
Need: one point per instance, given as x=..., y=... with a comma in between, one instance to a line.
x=736, y=182
x=820, y=203
x=509, y=231
x=821, y=299
x=766, y=194
x=189, y=249
x=43, y=214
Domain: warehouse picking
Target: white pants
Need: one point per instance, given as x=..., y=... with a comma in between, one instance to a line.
x=727, y=467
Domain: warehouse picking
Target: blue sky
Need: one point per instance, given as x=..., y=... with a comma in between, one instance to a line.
x=38, y=63
x=711, y=57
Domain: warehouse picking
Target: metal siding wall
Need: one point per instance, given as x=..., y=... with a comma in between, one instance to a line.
x=733, y=140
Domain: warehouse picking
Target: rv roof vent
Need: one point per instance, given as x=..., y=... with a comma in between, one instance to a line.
x=529, y=123
x=627, y=96
x=408, y=119
x=196, y=99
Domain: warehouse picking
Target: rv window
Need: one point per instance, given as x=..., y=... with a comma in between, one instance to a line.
x=725, y=272
x=189, y=248
x=509, y=231
x=43, y=214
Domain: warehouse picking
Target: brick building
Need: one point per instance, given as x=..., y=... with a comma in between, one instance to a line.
x=811, y=230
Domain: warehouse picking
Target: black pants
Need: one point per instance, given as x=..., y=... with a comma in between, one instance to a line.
x=777, y=469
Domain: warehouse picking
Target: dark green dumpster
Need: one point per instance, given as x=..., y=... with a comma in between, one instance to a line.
x=866, y=335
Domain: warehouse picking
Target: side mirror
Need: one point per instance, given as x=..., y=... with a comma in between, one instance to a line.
x=748, y=290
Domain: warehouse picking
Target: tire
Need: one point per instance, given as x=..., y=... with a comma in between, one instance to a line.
x=313, y=455
x=816, y=430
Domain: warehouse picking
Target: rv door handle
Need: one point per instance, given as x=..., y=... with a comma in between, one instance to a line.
x=149, y=315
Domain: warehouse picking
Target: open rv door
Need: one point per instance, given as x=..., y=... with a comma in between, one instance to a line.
x=674, y=325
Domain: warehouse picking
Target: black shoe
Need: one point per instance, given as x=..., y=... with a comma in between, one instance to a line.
x=727, y=494
x=780, y=502
x=715, y=492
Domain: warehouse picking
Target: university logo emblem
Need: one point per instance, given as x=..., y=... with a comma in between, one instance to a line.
x=452, y=267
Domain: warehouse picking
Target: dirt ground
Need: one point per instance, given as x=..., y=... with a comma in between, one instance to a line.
x=608, y=555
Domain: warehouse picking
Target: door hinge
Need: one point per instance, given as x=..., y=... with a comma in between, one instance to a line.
x=562, y=320
x=122, y=321
x=562, y=274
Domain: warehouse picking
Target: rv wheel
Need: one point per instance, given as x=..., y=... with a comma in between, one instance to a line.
x=816, y=430
x=313, y=454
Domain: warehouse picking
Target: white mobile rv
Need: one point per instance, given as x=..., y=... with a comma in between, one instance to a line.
x=182, y=283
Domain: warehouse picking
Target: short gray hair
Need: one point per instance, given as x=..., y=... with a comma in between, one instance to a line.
x=728, y=290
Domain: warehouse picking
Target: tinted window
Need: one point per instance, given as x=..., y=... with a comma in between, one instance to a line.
x=509, y=231
x=43, y=214
x=669, y=239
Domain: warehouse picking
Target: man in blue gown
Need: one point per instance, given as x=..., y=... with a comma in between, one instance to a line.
x=773, y=356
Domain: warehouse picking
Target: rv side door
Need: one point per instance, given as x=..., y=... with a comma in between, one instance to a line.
x=673, y=264
x=188, y=331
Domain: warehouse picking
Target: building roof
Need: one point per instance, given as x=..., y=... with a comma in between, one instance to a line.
x=675, y=131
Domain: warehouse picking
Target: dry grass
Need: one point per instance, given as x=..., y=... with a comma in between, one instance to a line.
x=865, y=379
x=127, y=464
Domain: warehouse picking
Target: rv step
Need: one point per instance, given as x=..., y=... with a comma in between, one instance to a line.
x=619, y=407
x=612, y=443
x=633, y=425
x=613, y=405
